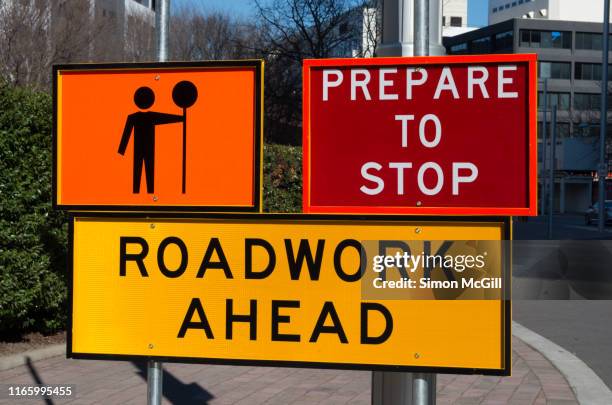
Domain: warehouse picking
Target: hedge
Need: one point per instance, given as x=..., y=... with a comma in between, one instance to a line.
x=33, y=237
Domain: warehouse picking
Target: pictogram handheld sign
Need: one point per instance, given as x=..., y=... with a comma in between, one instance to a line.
x=155, y=136
x=292, y=290
x=424, y=135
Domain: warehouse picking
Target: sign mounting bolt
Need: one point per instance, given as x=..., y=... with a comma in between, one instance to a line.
x=151, y=345
x=152, y=226
x=416, y=355
x=157, y=77
x=155, y=198
x=417, y=230
x=418, y=203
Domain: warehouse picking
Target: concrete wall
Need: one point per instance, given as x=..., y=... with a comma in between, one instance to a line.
x=454, y=8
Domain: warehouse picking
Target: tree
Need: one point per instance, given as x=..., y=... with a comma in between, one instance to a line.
x=287, y=32
x=198, y=35
x=36, y=34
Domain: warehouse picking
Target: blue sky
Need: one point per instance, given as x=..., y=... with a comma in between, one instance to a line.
x=477, y=9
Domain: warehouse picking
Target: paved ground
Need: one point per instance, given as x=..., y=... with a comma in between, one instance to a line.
x=581, y=327
x=534, y=381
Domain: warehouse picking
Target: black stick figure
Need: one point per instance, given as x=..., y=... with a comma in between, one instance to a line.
x=143, y=124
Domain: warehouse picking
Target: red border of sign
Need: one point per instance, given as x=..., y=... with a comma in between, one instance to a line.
x=529, y=210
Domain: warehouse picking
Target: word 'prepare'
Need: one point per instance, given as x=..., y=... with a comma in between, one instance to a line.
x=430, y=178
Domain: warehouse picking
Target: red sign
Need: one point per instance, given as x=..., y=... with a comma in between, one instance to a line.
x=421, y=135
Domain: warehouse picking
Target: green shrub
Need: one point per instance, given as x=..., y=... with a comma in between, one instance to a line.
x=282, y=178
x=32, y=236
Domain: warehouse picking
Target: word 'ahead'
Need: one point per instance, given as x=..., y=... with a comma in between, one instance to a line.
x=451, y=135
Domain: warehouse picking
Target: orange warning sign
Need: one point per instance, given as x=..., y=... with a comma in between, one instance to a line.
x=154, y=136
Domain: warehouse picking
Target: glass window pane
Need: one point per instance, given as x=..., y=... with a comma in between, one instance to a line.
x=580, y=40
x=565, y=71
x=546, y=40
x=579, y=101
x=596, y=40
x=596, y=72
x=525, y=34
x=564, y=101
x=567, y=40
x=595, y=103
x=540, y=100
x=545, y=70
x=535, y=39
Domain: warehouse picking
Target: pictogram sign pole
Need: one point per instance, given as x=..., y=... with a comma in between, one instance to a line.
x=162, y=21
x=184, y=148
x=154, y=382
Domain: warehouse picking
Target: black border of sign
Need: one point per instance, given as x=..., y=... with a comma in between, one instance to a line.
x=506, y=306
x=257, y=64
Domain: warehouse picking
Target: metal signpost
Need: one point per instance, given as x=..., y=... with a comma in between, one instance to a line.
x=544, y=140
x=423, y=384
x=551, y=177
x=603, y=126
x=162, y=25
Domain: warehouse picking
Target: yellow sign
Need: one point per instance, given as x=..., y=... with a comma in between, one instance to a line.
x=286, y=290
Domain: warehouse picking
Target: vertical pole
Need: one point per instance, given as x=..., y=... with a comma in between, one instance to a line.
x=162, y=23
x=551, y=180
x=544, y=136
x=603, y=125
x=423, y=384
x=399, y=38
x=184, y=148
x=423, y=389
x=154, y=382
x=421, y=27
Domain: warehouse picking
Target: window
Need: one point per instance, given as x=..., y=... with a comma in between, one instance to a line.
x=444, y=21
x=587, y=101
x=507, y=5
x=563, y=131
x=591, y=41
x=590, y=101
x=495, y=9
x=459, y=49
x=587, y=130
x=546, y=39
x=514, y=4
x=504, y=41
x=554, y=70
x=561, y=100
x=590, y=71
x=481, y=45
x=455, y=21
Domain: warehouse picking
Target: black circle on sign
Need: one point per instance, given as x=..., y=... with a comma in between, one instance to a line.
x=184, y=94
x=144, y=97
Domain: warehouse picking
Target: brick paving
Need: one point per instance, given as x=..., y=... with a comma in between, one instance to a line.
x=534, y=380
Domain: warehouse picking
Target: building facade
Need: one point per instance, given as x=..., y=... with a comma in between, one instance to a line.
x=564, y=10
x=569, y=65
x=454, y=13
